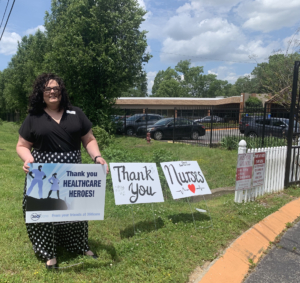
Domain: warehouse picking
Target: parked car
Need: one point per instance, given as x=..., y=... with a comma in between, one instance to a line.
x=138, y=120
x=244, y=121
x=276, y=127
x=209, y=119
x=163, y=129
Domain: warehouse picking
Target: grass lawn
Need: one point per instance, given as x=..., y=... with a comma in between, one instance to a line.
x=168, y=253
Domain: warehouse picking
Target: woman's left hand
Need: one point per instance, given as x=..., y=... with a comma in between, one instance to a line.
x=101, y=160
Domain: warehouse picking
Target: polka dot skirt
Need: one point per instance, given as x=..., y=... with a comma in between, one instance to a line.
x=45, y=237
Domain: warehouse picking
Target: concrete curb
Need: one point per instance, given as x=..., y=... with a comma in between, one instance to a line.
x=233, y=266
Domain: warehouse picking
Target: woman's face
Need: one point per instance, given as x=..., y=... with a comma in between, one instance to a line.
x=52, y=93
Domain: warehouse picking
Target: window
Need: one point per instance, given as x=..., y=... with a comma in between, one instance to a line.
x=279, y=123
x=261, y=122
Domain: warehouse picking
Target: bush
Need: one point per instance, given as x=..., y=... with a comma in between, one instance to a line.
x=104, y=139
x=233, y=142
x=253, y=102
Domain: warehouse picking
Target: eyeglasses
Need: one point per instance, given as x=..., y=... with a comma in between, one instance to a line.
x=55, y=89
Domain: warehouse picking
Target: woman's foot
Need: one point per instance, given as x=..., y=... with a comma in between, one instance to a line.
x=90, y=253
x=51, y=263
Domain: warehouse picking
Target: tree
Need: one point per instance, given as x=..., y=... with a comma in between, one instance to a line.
x=98, y=49
x=139, y=89
x=253, y=102
x=193, y=80
x=275, y=75
x=25, y=65
x=187, y=81
x=245, y=84
x=167, y=84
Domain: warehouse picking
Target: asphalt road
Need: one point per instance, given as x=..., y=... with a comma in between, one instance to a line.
x=281, y=264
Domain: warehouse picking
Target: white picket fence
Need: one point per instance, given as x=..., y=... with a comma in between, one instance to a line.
x=274, y=172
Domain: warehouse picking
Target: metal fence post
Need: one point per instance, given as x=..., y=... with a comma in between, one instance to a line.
x=146, y=121
x=264, y=126
x=291, y=123
x=211, y=127
x=174, y=124
x=125, y=123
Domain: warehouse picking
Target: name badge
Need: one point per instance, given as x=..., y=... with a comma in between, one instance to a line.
x=71, y=112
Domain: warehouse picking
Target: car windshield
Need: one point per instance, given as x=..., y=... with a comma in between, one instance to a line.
x=163, y=122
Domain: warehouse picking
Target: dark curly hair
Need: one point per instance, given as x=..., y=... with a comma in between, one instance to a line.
x=36, y=100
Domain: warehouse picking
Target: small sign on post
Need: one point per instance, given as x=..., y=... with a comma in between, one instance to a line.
x=259, y=169
x=244, y=171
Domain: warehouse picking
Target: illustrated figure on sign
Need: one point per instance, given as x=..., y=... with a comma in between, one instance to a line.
x=38, y=176
x=55, y=187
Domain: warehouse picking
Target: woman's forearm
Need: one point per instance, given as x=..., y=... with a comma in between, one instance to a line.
x=93, y=149
x=24, y=153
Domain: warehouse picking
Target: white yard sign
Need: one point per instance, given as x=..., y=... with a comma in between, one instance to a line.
x=136, y=183
x=185, y=179
x=259, y=169
x=244, y=171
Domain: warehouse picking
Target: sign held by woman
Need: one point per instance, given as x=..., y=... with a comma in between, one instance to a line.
x=59, y=192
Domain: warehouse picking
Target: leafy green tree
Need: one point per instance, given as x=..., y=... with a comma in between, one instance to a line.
x=246, y=85
x=187, y=81
x=140, y=87
x=25, y=65
x=253, y=102
x=193, y=81
x=275, y=75
x=167, y=84
x=98, y=48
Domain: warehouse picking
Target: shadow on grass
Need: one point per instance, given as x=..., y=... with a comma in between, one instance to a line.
x=141, y=227
x=66, y=259
x=188, y=217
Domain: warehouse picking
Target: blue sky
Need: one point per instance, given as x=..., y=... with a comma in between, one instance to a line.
x=227, y=37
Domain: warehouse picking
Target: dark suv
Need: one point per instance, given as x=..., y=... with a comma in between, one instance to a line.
x=276, y=127
x=244, y=121
x=137, y=121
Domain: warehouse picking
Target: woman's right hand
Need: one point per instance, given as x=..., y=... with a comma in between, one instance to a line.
x=26, y=166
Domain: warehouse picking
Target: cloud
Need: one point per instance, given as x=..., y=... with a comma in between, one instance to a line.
x=34, y=30
x=9, y=43
x=226, y=73
x=150, y=80
x=213, y=38
x=269, y=15
x=148, y=49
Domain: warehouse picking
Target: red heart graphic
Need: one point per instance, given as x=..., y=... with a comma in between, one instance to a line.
x=192, y=188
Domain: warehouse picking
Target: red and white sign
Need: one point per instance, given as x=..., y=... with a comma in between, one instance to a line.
x=259, y=169
x=244, y=171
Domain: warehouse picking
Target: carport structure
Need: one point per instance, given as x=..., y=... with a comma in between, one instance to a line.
x=180, y=106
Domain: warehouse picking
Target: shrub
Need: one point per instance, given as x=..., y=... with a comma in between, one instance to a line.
x=253, y=102
x=103, y=138
x=233, y=142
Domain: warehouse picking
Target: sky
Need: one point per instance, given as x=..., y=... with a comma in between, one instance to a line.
x=227, y=37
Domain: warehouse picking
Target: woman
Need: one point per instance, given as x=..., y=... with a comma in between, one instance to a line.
x=54, y=185
x=55, y=130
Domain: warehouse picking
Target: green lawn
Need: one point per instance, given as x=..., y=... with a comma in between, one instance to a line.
x=168, y=253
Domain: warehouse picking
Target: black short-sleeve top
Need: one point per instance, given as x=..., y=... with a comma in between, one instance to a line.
x=48, y=135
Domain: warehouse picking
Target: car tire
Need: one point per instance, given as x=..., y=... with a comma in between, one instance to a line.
x=129, y=132
x=158, y=135
x=194, y=135
x=252, y=135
